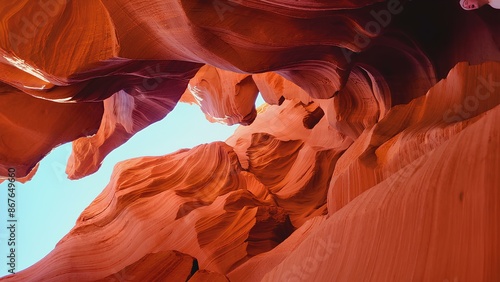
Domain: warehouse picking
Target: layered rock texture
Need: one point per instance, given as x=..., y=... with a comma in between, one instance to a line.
x=375, y=157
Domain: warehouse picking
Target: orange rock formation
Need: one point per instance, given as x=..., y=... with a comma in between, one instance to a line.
x=375, y=157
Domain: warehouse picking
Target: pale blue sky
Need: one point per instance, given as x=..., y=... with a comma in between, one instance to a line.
x=49, y=204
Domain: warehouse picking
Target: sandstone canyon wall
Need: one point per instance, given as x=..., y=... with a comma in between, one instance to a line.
x=375, y=157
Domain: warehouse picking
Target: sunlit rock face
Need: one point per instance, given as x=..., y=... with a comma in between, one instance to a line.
x=376, y=157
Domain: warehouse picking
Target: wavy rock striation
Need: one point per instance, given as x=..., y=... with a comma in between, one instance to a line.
x=375, y=157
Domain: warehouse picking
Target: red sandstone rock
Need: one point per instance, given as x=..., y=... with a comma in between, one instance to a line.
x=223, y=96
x=421, y=201
x=31, y=127
x=231, y=227
x=203, y=275
x=161, y=266
x=176, y=39
x=362, y=166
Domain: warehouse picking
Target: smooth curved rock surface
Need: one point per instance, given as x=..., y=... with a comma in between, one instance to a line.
x=125, y=113
x=32, y=127
x=297, y=207
x=375, y=157
x=166, y=266
x=203, y=275
x=177, y=39
x=223, y=96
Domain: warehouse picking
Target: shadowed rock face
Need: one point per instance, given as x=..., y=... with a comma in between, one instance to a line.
x=375, y=157
x=476, y=4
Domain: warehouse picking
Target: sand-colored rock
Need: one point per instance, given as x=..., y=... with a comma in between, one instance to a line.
x=413, y=225
x=203, y=275
x=223, y=96
x=416, y=128
x=404, y=209
x=161, y=266
x=125, y=113
x=375, y=159
x=177, y=38
x=31, y=127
